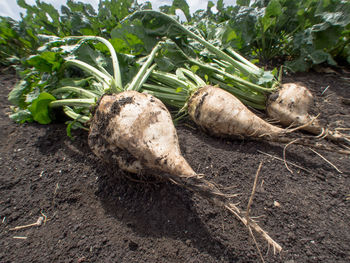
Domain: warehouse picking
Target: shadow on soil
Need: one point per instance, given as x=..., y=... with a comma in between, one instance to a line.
x=159, y=210
x=151, y=208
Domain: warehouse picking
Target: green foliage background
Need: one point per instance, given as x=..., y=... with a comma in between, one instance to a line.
x=302, y=33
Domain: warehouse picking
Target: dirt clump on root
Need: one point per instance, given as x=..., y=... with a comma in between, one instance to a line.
x=95, y=214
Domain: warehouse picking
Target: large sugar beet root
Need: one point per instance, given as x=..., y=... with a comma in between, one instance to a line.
x=136, y=131
x=222, y=114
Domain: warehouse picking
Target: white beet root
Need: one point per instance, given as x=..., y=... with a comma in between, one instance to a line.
x=291, y=105
x=222, y=114
x=136, y=131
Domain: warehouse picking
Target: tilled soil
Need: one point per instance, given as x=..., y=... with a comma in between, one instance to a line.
x=97, y=213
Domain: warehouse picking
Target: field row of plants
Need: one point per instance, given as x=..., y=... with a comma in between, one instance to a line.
x=300, y=33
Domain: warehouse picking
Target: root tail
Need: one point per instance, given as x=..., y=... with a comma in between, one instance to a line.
x=197, y=184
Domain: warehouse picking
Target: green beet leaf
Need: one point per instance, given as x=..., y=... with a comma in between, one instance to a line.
x=183, y=6
x=17, y=94
x=46, y=61
x=21, y=116
x=40, y=108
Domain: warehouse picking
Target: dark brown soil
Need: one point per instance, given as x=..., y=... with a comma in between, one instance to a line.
x=95, y=214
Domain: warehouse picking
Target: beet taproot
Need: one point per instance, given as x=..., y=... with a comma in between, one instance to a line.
x=222, y=114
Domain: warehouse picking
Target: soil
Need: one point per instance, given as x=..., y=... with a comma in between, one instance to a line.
x=96, y=214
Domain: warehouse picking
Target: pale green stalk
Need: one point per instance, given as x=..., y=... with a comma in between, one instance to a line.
x=233, y=77
x=174, y=89
x=256, y=101
x=242, y=59
x=194, y=77
x=166, y=94
x=164, y=89
x=92, y=71
x=79, y=91
x=172, y=80
x=144, y=72
x=236, y=79
x=73, y=102
x=115, y=62
x=75, y=116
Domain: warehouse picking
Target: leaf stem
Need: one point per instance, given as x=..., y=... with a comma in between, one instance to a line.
x=75, y=116
x=90, y=69
x=115, y=62
x=139, y=79
x=73, y=102
x=80, y=91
